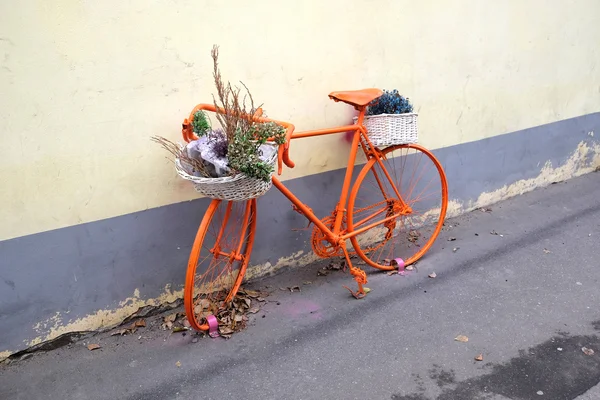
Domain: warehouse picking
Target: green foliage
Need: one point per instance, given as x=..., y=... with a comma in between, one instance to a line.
x=263, y=131
x=200, y=123
x=244, y=152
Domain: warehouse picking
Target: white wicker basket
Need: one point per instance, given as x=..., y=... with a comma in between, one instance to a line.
x=391, y=129
x=238, y=187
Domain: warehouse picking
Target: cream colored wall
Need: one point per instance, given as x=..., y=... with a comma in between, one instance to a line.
x=85, y=84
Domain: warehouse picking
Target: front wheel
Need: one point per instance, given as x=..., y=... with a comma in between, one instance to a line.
x=403, y=197
x=218, y=259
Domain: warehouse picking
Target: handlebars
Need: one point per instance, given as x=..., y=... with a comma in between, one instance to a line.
x=283, y=156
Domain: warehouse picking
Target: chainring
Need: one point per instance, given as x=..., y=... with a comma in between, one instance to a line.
x=319, y=242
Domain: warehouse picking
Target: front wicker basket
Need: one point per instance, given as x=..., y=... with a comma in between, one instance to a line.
x=239, y=187
x=391, y=129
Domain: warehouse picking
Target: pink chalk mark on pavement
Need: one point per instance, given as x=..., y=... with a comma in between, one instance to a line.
x=301, y=308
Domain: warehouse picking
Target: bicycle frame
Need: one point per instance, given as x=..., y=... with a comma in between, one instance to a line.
x=360, y=138
x=333, y=235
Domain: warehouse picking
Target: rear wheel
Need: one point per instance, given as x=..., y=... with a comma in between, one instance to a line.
x=218, y=259
x=406, y=175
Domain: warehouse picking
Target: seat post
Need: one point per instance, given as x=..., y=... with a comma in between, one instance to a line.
x=361, y=115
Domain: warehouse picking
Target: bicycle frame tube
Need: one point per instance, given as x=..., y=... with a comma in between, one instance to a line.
x=332, y=235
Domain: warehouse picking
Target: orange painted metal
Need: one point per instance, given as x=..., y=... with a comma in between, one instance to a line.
x=356, y=98
x=368, y=168
x=248, y=239
x=328, y=131
x=338, y=235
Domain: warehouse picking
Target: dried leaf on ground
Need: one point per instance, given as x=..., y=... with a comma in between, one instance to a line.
x=231, y=316
x=451, y=239
x=432, y=275
x=587, y=351
x=202, y=304
x=225, y=330
x=461, y=338
x=335, y=266
x=409, y=267
x=413, y=236
x=179, y=329
x=178, y=364
x=251, y=293
x=294, y=289
x=367, y=290
x=129, y=329
x=140, y=323
x=547, y=251
x=479, y=357
x=390, y=273
x=322, y=272
x=307, y=282
x=486, y=209
x=93, y=346
x=493, y=233
x=171, y=317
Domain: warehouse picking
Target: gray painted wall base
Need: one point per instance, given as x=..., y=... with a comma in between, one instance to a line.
x=78, y=270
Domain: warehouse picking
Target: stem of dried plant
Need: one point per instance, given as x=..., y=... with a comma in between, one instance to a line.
x=181, y=154
x=234, y=114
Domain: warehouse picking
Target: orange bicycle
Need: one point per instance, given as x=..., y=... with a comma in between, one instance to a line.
x=391, y=214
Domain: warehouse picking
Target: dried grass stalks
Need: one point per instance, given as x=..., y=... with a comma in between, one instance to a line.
x=181, y=154
x=234, y=117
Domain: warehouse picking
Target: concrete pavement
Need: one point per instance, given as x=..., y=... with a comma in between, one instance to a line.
x=526, y=297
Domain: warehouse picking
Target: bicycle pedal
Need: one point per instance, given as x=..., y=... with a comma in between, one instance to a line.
x=356, y=295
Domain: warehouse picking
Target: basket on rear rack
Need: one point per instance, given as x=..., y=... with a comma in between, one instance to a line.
x=390, y=120
x=391, y=129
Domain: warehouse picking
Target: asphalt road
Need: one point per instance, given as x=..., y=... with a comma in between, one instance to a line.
x=527, y=298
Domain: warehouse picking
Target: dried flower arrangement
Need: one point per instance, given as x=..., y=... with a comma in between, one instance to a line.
x=239, y=147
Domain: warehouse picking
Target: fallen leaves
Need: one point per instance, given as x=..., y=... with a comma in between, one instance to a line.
x=367, y=290
x=432, y=275
x=233, y=316
x=170, y=319
x=394, y=272
x=587, y=352
x=130, y=328
x=294, y=289
x=178, y=364
x=332, y=266
x=479, y=357
x=493, y=233
x=547, y=251
x=413, y=236
x=461, y=338
x=409, y=267
x=93, y=346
